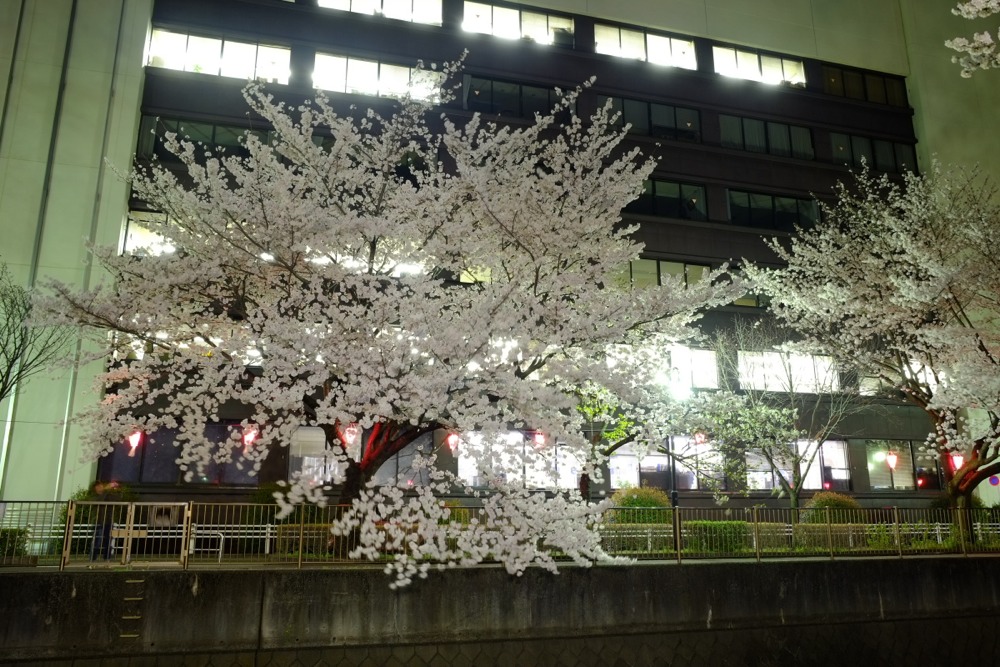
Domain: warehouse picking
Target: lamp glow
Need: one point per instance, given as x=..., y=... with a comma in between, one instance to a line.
x=134, y=440
x=250, y=434
x=957, y=460
x=891, y=458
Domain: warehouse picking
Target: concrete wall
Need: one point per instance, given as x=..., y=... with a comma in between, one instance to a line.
x=476, y=615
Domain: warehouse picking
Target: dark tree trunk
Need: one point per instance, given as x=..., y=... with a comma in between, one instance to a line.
x=354, y=481
x=584, y=486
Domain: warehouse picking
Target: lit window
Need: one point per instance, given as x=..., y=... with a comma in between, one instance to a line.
x=478, y=18
x=330, y=73
x=745, y=64
x=414, y=11
x=393, y=80
x=273, y=64
x=362, y=76
x=784, y=372
x=239, y=60
x=516, y=458
x=506, y=23
x=203, y=55
x=218, y=57
x=143, y=237
x=890, y=465
x=167, y=49
x=671, y=51
x=510, y=23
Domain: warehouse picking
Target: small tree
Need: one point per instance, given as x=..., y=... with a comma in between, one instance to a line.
x=793, y=403
x=981, y=51
x=26, y=347
x=900, y=281
x=382, y=277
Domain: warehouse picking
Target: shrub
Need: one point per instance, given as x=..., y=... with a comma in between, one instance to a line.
x=640, y=505
x=838, y=503
x=13, y=542
x=943, y=502
x=723, y=537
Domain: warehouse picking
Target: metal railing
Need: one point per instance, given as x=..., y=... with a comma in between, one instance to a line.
x=181, y=534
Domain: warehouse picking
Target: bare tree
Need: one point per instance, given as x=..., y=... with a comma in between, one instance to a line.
x=793, y=402
x=25, y=347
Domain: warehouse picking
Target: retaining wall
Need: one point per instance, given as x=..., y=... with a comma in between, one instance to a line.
x=732, y=613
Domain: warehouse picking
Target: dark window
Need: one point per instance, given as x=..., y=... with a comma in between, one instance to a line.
x=854, y=85
x=671, y=200
x=802, y=145
x=878, y=88
x=878, y=154
x=758, y=136
x=779, y=142
x=506, y=98
x=637, y=115
x=656, y=120
x=754, y=209
x=154, y=461
x=875, y=87
x=833, y=81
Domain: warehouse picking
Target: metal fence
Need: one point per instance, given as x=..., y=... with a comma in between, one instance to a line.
x=78, y=533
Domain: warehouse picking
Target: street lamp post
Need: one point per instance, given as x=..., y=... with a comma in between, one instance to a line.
x=673, y=472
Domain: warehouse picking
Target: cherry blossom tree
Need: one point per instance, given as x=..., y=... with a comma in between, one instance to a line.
x=980, y=52
x=383, y=276
x=900, y=281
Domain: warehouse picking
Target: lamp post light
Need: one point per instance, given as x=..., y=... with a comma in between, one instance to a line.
x=891, y=458
x=957, y=460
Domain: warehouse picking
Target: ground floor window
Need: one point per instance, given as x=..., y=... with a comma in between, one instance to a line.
x=896, y=465
x=152, y=458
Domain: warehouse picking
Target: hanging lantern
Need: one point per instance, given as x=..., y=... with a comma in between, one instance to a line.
x=134, y=440
x=891, y=458
x=452, y=442
x=250, y=434
x=351, y=433
x=538, y=438
x=957, y=460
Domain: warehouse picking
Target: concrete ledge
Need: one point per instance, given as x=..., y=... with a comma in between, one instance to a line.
x=53, y=615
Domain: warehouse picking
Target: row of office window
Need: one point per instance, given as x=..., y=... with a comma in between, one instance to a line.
x=765, y=211
x=660, y=198
x=510, y=23
x=639, y=44
x=340, y=74
x=413, y=11
x=343, y=74
x=506, y=98
x=219, y=57
x=879, y=154
x=868, y=86
x=655, y=120
x=753, y=66
x=634, y=43
x=685, y=464
x=758, y=136
x=671, y=200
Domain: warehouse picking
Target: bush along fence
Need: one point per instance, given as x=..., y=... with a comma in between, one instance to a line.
x=80, y=533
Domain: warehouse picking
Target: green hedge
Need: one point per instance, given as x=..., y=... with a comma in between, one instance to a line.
x=625, y=538
x=718, y=536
